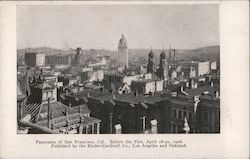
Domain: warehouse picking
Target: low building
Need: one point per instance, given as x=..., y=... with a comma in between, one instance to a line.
x=68, y=79
x=147, y=86
x=91, y=76
x=122, y=77
x=44, y=114
x=59, y=60
x=63, y=119
x=197, y=68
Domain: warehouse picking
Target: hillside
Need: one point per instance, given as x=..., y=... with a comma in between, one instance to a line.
x=135, y=55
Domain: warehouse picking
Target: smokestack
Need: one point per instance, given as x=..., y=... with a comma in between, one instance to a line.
x=48, y=114
x=174, y=55
x=51, y=117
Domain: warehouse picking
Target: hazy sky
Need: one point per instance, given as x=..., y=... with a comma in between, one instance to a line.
x=101, y=26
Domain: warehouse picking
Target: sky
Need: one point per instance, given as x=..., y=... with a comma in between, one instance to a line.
x=100, y=26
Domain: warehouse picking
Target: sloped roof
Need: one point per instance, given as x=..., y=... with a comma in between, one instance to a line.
x=33, y=110
x=58, y=110
x=59, y=116
x=198, y=91
x=43, y=85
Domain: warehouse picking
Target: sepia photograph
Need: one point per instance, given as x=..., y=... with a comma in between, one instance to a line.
x=127, y=79
x=118, y=69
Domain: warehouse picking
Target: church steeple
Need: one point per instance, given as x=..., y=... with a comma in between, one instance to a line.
x=163, y=66
x=150, y=66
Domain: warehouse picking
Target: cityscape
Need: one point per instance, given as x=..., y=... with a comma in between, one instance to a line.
x=163, y=90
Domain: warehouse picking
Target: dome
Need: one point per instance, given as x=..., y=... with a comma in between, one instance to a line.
x=151, y=54
x=163, y=55
x=122, y=42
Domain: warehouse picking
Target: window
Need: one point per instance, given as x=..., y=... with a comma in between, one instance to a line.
x=205, y=116
x=175, y=113
x=218, y=115
x=180, y=114
x=184, y=114
x=190, y=115
x=174, y=128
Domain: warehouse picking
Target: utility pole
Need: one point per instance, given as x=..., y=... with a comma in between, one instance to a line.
x=48, y=114
x=110, y=120
x=143, y=123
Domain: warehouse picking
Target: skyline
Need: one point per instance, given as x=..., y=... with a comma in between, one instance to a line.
x=62, y=27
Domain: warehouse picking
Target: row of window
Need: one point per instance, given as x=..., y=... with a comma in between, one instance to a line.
x=47, y=95
x=181, y=114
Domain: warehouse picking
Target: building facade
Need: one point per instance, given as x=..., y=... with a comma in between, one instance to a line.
x=34, y=59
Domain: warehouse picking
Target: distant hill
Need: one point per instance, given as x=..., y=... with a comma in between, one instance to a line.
x=199, y=54
x=51, y=51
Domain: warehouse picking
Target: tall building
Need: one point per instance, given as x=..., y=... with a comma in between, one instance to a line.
x=78, y=56
x=123, y=52
x=150, y=66
x=34, y=59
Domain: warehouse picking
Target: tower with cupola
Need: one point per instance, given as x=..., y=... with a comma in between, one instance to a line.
x=123, y=52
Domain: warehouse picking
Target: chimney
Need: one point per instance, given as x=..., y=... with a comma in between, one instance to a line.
x=80, y=109
x=102, y=90
x=51, y=117
x=66, y=113
x=153, y=126
x=211, y=84
x=196, y=102
x=136, y=93
x=48, y=114
x=151, y=93
x=216, y=93
x=174, y=94
x=118, y=129
x=88, y=95
x=182, y=89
